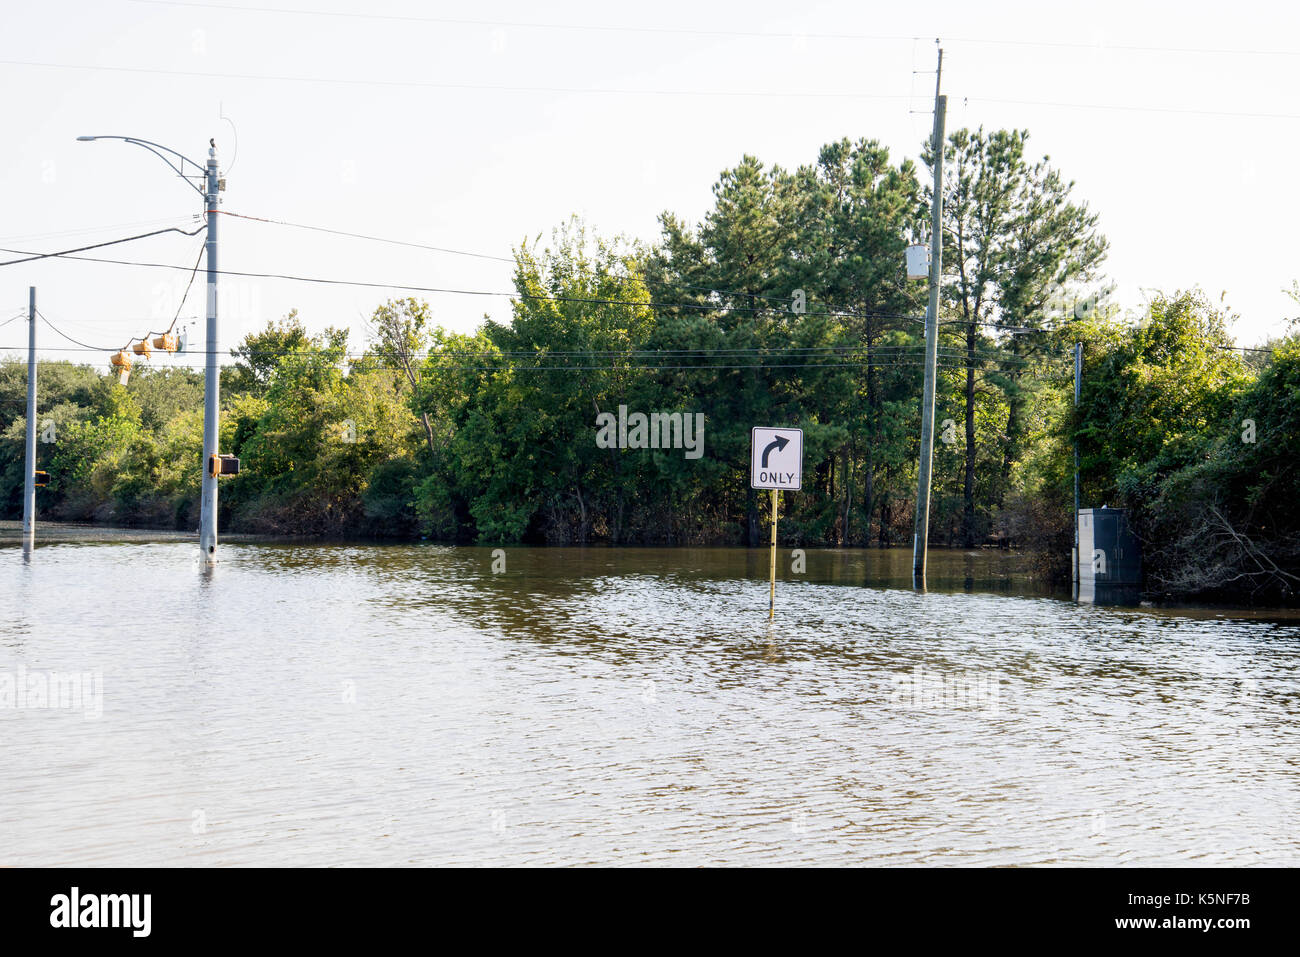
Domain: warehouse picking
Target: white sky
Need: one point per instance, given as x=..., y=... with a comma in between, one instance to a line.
x=467, y=135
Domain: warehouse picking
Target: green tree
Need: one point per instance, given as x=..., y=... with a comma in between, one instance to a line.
x=1012, y=237
x=400, y=328
x=259, y=354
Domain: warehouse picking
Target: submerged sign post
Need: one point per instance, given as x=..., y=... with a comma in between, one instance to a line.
x=776, y=463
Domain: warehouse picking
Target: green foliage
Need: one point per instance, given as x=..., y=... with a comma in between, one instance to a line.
x=1013, y=241
x=518, y=444
x=1156, y=394
x=259, y=354
x=787, y=304
x=1176, y=426
x=309, y=444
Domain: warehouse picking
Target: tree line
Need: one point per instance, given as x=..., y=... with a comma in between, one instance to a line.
x=787, y=304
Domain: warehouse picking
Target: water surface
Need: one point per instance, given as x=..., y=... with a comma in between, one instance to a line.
x=392, y=705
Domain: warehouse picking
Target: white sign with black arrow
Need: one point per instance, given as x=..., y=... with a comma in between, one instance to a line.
x=776, y=458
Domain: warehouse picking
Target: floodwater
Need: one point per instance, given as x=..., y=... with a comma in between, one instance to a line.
x=395, y=705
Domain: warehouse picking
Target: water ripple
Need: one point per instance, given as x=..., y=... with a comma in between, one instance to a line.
x=316, y=705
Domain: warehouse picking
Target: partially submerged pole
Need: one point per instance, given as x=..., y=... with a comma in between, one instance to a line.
x=211, y=377
x=921, y=534
x=1078, y=379
x=29, y=471
x=771, y=595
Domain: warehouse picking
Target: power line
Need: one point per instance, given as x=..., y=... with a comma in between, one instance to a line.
x=704, y=307
x=60, y=332
x=151, y=332
x=512, y=260
x=648, y=367
x=748, y=34
x=112, y=242
x=843, y=349
x=1127, y=108
x=1122, y=47
x=840, y=313
x=701, y=352
x=185, y=295
x=610, y=91
x=378, y=239
x=28, y=237
x=650, y=304
x=591, y=27
x=486, y=87
x=891, y=360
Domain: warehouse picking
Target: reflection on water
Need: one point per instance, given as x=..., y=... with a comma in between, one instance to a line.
x=327, y=705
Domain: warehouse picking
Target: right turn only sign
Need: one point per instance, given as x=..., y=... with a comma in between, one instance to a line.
x=775, y=458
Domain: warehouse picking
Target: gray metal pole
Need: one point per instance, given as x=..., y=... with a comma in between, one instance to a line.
x=211, y=377
x=1078, y=379
x=921, y=535
x=29, y=483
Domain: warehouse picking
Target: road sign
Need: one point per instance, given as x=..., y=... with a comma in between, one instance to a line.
x=775, y=458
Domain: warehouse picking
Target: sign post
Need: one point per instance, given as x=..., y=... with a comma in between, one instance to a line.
x=771, y=594
x=776, y=463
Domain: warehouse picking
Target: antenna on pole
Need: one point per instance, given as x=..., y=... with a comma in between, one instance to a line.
x=234, y=156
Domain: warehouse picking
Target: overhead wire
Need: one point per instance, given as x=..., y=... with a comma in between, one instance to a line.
x=484, y=87
x=30, y=257
x=514, y=294
x=27, y=237
x=702, y=31
x=512, y=260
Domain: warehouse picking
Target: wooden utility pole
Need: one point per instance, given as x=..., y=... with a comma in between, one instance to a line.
x=921, y=534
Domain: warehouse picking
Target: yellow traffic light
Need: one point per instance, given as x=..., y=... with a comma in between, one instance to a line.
x=121, y=361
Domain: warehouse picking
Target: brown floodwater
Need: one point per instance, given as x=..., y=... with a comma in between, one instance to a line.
x=308, y=704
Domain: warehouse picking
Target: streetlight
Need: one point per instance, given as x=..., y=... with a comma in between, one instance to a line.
x=212, y=185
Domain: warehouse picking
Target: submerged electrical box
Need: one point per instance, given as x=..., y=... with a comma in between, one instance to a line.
x=1108, y=567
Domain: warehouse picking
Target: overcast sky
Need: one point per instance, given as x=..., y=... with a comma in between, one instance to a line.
x=474, y=126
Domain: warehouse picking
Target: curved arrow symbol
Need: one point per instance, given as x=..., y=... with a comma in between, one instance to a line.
x=778, y=443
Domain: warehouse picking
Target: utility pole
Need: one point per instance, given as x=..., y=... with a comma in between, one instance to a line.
x=1078, y=380
x=213, y=185
x=29, y=480
x=771, y=595
x=921, y=535
x=211, y=375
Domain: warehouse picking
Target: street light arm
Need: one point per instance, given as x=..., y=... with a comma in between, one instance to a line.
x=213, y=184
x=157, y=150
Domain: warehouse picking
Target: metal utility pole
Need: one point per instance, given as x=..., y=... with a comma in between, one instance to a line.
x=1078, y=380
x=211, y=375
x=921, y=535
x=771, y=595
x=213, y=185
x=29, y=481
